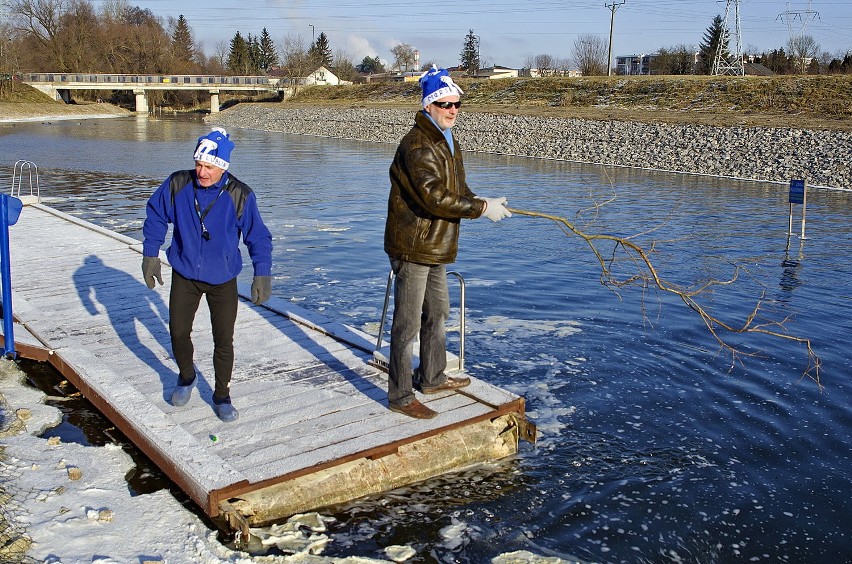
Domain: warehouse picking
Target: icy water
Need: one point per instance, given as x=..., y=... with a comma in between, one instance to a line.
x=656, y=445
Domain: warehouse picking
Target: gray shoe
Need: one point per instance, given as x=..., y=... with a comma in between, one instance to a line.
x=180, y=396
x=226, y=412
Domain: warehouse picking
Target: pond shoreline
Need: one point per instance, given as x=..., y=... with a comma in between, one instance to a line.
x=752, y=153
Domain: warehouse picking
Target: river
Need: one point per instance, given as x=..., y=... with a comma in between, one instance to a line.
x=657, y=445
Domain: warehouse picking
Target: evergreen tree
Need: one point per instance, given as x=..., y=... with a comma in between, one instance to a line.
x=710, y=45
x=268, y=56
x=371, y=65
x=239, y=58
x=255, y=56
x=469, y=57
x=777, y=61
x=320, y=51
x=183, y=46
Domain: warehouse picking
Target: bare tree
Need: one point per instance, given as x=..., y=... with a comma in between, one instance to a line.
x=40, y=20
x=544, y=65
x=343, y=66
x=404, y=57
x=295, y=60
x=219, y=58
x=802, y=49
x=680, y=59
x=590, y=54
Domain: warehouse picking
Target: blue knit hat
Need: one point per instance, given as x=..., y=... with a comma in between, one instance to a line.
x=214, y=148
x=436, y=84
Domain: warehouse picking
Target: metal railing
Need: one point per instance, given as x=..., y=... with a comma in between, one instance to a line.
x=145, y=79
x=461, y=327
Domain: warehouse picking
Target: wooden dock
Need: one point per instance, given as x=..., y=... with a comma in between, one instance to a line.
x=314, y=428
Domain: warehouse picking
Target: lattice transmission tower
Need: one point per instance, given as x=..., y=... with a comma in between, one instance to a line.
x=798, y=46
x=729, y=61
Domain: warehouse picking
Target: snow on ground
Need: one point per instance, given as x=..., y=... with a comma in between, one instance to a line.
x=72, y=503
x=66, y=503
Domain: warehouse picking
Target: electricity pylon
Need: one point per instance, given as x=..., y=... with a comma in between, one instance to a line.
x=797, y=36
x=730, y=62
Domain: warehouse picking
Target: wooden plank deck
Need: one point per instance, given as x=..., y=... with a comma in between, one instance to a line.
x=314, y=427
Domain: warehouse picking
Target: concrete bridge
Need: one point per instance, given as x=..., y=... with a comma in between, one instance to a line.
x=60, y=85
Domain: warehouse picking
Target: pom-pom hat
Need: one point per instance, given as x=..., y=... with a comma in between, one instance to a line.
x=214, y=148
x=436, y=84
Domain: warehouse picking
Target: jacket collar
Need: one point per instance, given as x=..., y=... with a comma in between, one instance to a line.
x=425, y=122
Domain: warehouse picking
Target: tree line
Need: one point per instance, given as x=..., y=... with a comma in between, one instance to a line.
x=72, y=36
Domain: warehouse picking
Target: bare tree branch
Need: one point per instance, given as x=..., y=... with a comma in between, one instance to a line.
x=644, y=273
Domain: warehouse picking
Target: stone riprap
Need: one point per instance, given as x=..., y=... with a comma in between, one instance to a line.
x=823, y=158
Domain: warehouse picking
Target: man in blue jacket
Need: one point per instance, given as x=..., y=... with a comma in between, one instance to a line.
x=209, y=210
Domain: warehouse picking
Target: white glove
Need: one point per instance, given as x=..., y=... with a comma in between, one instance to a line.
x=495, y=209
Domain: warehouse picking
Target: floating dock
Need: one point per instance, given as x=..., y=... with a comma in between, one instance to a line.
x=314, y=429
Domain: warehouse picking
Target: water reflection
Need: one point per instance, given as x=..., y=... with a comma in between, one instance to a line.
x=791, y=267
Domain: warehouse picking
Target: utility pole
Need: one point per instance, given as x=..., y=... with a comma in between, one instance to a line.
x=313, y=34
x=612, y=7
x=803, y=16
x=729, y=63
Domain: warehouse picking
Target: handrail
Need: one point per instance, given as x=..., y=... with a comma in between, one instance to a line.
x=380, y=339
x=118, y=78
x=18, y=174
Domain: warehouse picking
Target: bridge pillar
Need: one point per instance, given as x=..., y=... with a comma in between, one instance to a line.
x=141, y=101
x=214, y=101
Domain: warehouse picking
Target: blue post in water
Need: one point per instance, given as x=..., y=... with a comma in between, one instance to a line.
x=10, y=209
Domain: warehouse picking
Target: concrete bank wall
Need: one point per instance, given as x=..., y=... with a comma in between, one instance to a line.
x=823, y=158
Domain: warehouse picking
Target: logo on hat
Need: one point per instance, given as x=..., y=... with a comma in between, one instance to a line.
x=214, y=148
x=436, y=84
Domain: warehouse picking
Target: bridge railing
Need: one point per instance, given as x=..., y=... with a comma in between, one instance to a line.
x=142, y=79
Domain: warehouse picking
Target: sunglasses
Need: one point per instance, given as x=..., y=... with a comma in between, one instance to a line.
x=448, y=105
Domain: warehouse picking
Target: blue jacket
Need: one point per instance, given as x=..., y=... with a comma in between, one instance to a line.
x=234, y=214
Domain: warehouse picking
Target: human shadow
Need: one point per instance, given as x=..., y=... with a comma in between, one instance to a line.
x=128, y=304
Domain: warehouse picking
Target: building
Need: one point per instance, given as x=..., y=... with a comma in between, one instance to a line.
x=633, y=64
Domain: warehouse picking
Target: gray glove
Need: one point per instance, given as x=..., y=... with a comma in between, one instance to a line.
x=150, y=270
x=261, y=289
x=495, y=209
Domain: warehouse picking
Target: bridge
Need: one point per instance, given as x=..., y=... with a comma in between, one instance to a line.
x=59, y=85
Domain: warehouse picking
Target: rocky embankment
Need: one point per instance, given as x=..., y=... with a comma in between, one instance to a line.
x=823, y=158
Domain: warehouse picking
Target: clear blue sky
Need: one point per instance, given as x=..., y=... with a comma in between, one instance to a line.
x=510, y=31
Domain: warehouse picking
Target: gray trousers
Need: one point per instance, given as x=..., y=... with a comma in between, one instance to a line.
x=421, y=304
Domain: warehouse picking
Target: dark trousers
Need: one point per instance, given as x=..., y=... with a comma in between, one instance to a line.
x=183, y=304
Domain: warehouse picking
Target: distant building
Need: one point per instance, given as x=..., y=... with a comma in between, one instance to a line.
x=633, y=64
x=321, y=76
x=538, y=73
x=497, y=72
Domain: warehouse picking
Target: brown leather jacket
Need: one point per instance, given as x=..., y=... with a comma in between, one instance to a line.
x=428, y=197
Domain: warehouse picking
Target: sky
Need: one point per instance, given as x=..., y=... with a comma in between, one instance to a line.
x=511, y=32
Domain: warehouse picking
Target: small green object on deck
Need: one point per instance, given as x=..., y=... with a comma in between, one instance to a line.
x=214, y=438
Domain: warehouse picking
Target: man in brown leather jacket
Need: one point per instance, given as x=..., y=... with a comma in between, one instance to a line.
x=428, y=199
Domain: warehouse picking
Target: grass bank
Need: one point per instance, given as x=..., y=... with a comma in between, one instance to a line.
x=807, y=102
x=26, y=104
